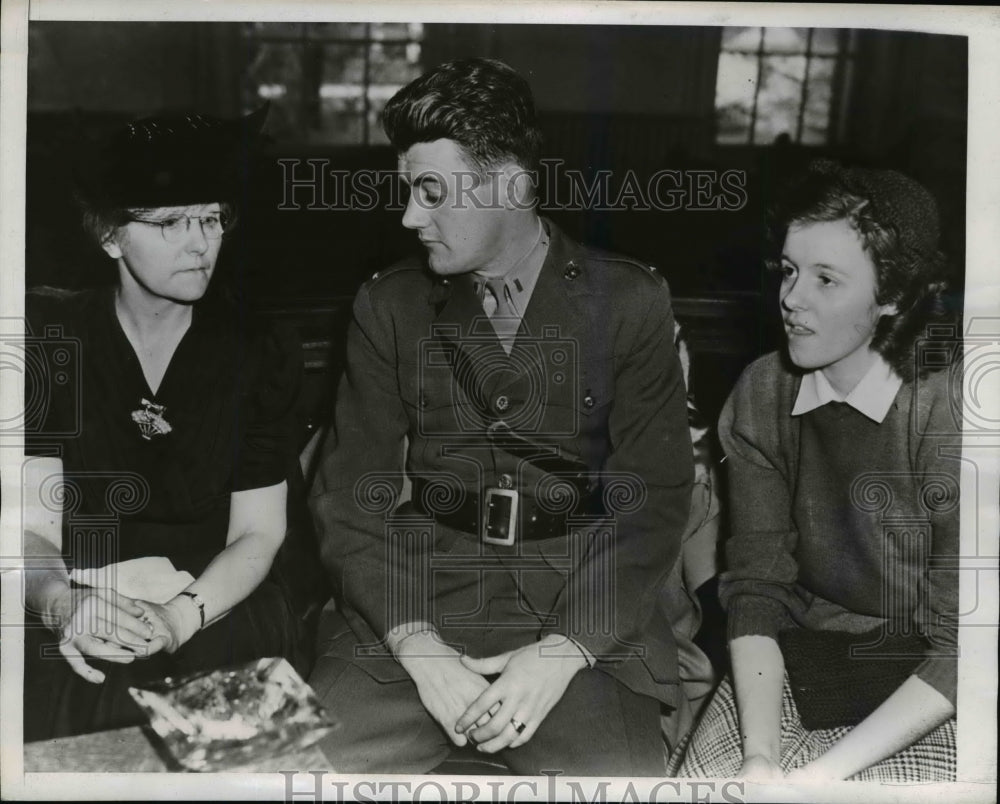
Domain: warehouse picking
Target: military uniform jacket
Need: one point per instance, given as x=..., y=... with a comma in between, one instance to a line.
x=593, y=376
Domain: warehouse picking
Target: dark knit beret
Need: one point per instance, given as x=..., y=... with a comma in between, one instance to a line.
x=896, y=201
x=170, y=161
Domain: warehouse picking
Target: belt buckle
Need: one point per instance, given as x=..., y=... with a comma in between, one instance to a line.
x=500, y=516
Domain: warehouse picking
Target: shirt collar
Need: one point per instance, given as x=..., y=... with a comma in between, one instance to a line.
x=872, y=396
x=521, y=279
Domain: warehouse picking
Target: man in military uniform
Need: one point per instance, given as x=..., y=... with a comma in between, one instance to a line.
x=527, y=393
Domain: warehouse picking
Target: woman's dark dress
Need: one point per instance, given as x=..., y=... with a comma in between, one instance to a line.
x=230, y=395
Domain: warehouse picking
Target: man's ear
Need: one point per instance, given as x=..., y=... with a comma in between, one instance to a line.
x=519, y=185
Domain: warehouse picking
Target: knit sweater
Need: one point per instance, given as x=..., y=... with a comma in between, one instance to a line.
x=839, y=523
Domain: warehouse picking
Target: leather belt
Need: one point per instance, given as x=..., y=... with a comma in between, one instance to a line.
x=502, y=516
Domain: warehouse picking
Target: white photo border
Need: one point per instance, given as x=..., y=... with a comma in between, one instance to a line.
x=978, y=667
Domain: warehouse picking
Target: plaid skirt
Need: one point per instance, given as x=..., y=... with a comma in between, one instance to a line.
x=713, y=748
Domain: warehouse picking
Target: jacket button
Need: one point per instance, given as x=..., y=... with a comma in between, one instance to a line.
x=588, y=401
x=502, y=403
x=572, y=271
x=506, y=481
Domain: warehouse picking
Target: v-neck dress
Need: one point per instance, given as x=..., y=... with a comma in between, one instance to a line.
x=229, y=397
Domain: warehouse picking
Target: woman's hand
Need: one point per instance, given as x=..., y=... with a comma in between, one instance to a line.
x=759, y=768
x=913, y=710
x=758, y=672
x=98, y=623
x=815, y=771
x=173, y=623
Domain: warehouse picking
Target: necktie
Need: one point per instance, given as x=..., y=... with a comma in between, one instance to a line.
x=502, y=316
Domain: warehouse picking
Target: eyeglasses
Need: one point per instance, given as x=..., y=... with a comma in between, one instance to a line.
x=176, y=227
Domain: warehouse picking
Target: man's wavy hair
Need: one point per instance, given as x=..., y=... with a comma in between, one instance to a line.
x=481, y=104
x=897, y=221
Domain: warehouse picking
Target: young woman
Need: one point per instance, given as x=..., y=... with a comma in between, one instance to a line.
x=843, y=468
x=155, y=500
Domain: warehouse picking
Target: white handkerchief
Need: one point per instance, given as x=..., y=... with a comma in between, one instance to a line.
x=153, y=578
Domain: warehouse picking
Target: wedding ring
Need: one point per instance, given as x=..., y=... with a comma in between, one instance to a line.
x=145, y=618
x=517, y=724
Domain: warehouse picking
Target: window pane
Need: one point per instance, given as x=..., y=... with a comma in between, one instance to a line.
x=274, y=30
x=736, y=79
x=816, y=115
x=275, y=74
x=394, y=64
x=734, y=91
x=376, y=103
x=343, y=64
x=342, y=119
x=391, y=30
x=742, y=39
x=825, y=40
x=337, y=30
x=781, y=105
x=779, y=98
x=733, y=125
x=326, y=81
x=275, y=63
x=785, y=40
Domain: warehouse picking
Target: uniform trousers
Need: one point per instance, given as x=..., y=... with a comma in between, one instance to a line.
x=598, y=728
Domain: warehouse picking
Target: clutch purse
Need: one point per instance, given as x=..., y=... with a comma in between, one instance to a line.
x=838, y=679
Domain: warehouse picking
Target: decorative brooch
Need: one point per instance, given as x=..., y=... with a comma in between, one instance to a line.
x=150, y=419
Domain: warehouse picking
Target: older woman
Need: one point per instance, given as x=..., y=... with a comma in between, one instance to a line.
x=156, y=497
x=842, y=497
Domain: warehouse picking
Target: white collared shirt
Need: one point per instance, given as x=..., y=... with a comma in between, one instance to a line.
x=872, y=396
x=519, y=282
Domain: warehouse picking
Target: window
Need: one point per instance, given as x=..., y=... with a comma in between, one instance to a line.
x=328, y=82
x=781, y=81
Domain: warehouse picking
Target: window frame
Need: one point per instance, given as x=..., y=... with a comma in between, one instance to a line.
x=311, y=54
x=843, y=64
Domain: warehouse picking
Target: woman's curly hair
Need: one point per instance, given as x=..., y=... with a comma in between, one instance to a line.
x=897, y=221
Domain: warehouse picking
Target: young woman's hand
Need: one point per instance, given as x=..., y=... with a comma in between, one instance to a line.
x=758, y=768
x=815, y=771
